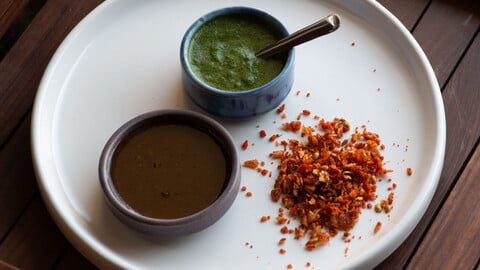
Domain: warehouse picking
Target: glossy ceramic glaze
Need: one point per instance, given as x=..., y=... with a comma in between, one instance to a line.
x=236, y=105
x=177, y=226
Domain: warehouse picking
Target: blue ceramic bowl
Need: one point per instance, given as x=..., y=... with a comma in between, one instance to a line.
x=236, y=105
x=161, y=228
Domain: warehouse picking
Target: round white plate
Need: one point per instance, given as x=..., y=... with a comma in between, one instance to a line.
x=123, y=60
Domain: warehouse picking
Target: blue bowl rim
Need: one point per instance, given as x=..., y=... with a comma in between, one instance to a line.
x=109, y=149
x=224, y=11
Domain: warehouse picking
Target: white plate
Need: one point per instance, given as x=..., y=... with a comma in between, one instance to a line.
x=123, y=60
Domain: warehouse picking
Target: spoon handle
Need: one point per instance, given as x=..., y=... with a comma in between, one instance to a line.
x=324, y=26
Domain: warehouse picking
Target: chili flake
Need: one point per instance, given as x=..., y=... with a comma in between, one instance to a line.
x=292, y=126
x=243, y=188
x=289, y=266
x=390, y=197
x=249, y=194
x=251, y=163
x=281, y=219
x=281, y=108
x=377, y=227
x=282, y=251
x=245, y=145
x=274, y=137
x=409, y=171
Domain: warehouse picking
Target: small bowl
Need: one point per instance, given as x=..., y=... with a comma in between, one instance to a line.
x=167, y=227
x=241, y=104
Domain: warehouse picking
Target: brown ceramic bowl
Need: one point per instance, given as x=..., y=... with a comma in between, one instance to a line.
x=176, y=226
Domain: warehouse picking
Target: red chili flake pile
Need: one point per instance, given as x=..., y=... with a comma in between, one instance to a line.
x=326, y=181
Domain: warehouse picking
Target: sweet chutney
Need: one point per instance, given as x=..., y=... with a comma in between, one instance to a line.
x=168, y=171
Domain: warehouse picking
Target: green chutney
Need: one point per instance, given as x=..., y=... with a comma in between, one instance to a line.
x=221, y=53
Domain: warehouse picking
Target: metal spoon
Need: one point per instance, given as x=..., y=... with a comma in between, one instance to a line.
x=325, y=26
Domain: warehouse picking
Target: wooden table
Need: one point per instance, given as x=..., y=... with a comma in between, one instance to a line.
x=447, y=237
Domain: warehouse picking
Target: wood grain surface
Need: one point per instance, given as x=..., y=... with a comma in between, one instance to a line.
x=447, y=236
x=9, y=11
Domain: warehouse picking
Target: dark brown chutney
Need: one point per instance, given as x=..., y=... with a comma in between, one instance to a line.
x=169, y=171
